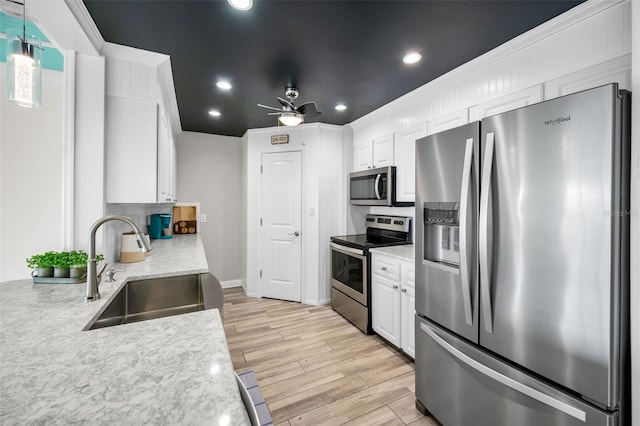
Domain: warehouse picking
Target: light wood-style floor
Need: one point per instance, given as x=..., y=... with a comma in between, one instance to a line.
x=315, y=368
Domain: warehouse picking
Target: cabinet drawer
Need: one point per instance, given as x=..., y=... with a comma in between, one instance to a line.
x=384, y=268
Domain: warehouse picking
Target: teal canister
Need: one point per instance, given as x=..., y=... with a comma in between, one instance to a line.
x=155, y=226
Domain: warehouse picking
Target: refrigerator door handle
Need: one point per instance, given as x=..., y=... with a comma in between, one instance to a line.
x=376, y=185
x=465, y=279
x=505, y=380
x=485, y=244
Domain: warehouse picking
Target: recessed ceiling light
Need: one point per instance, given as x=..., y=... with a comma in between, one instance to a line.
x=241, y=4
x=214, y=113
x=411, y=58
x=340, y=107
x=224, y=85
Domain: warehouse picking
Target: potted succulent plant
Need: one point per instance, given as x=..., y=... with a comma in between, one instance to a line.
x=42, y=264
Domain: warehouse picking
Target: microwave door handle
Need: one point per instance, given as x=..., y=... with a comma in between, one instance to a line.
x=465, y=278
x=376, y=186
x=484, y=250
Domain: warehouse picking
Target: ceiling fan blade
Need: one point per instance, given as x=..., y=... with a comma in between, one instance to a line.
x=286, y=103
x=270, y=107
x=309, y=110
x=274, y=113
x=312, y=114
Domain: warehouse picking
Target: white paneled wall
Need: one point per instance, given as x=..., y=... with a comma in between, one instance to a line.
x=590, y=35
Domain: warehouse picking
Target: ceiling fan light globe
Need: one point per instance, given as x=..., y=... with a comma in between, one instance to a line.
x=290, y=119
x=241, y=4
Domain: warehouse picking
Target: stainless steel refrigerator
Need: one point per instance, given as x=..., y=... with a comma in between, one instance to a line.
x=522, y=266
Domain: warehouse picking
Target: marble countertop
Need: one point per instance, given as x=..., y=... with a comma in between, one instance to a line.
x=403, y=252
x=174, y=370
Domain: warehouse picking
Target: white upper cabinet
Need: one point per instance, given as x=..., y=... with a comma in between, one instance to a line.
x=363, y=156
x=166, y=164
x=614, y=71
x=448, y=121
x=383, y=152
x=140, y=156
x=404, y=152
x=131, y=150
x=506, y=103
x=375, y=153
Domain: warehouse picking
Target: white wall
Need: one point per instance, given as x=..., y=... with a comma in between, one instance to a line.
x=210, y=172
x=89, y=140
x=30, y=176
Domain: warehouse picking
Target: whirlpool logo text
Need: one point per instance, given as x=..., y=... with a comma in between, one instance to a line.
x=558, y=120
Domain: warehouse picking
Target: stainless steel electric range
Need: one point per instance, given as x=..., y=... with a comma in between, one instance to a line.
x=351, y=269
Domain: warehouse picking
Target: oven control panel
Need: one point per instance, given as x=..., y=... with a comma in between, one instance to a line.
x=393, y=223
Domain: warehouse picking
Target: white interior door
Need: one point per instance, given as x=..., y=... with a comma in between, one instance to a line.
x=281, y=225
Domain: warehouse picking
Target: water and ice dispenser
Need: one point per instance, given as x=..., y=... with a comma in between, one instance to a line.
x=442, y=232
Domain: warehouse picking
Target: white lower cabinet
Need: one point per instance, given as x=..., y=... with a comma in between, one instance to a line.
x=408, y=309
x=393, y=300
x=385, y=299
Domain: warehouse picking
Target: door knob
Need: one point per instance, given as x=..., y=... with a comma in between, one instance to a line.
x=295, y=234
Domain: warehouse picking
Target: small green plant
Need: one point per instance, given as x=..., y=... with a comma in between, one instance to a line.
x=62, y=260
x=80, y=258
x=43, y=260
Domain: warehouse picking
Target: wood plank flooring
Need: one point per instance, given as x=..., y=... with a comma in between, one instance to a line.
x=316, y=368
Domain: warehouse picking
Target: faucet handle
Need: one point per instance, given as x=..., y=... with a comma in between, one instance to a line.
x=111, y=273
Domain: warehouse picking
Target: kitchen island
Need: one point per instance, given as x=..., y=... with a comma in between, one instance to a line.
x=173, y=370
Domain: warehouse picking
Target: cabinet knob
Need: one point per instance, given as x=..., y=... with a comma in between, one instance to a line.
x=395, y=287
x=404, y=290
x=384, y=268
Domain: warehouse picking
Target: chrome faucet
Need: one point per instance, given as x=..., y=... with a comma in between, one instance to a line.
x=92, y=279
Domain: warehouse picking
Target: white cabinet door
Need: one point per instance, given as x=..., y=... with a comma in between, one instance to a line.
x=509, y=102
x=166, y=164
x=617, y=70
x=131, y=150
x=363, y=156
x=408, y=309
x=448, y=121
x=385, y=301
x=404, y=151
x=383, y=152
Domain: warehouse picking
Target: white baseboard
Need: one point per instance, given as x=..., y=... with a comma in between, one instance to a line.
x=317, y=302
x=231, y=283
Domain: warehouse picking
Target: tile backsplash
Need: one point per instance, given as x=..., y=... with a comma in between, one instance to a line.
x=139, y=213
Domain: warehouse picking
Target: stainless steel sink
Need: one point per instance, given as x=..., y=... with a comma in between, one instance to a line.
x=160, y=297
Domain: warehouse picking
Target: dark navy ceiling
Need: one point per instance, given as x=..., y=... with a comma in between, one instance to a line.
x=336, y=51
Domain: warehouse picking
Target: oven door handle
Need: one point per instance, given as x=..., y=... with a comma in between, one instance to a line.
x=346, y=250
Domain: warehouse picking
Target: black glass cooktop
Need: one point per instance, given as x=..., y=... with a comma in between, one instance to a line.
x=365, y=241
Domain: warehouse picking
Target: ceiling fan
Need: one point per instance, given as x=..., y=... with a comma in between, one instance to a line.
x=289, y=114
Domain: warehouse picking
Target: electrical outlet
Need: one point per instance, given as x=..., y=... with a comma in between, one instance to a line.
x=312, y=211
x=203, y=217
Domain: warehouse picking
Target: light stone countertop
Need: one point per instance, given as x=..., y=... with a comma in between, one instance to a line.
x=173, y=370
x=404, y=252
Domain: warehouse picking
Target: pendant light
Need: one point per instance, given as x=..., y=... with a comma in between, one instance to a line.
x=24, y=66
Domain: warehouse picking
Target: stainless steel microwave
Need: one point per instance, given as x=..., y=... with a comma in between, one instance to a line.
x=374, y=187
